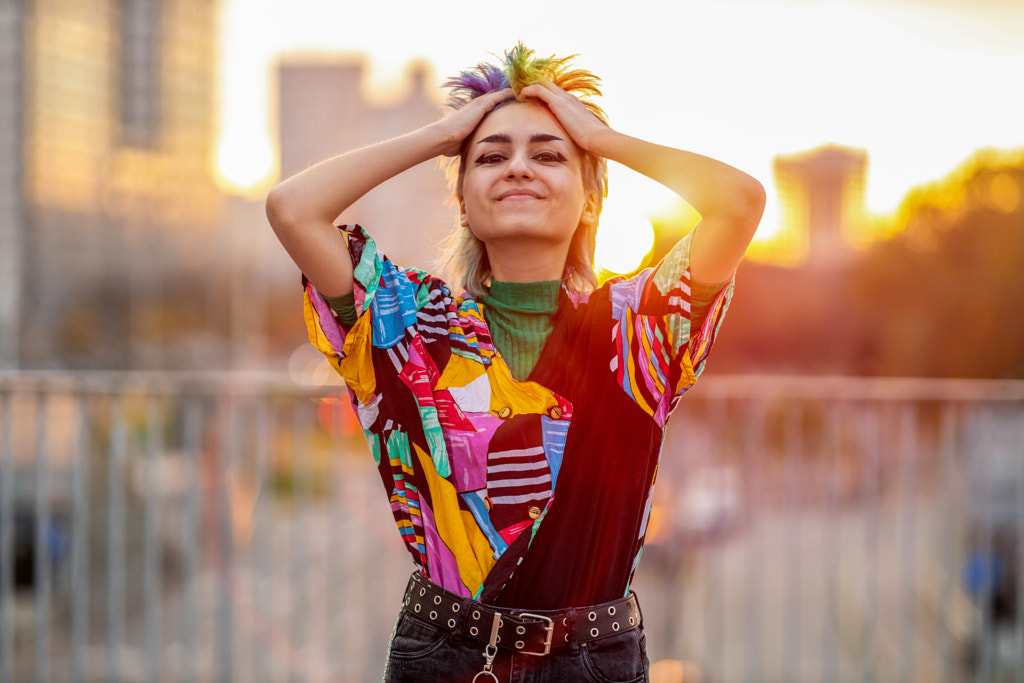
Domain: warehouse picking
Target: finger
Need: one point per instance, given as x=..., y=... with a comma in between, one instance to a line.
x=537, y=91
x=500, y=95
x=494, y=98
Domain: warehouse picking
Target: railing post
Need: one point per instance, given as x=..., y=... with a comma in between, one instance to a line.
x=80, y=521
x=946, y=447
x=115, y=539
x=151, y=549
x=907, y=455
x=43, y=538
x=191, y=447
x=6, y=541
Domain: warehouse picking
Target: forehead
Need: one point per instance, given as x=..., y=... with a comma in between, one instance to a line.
x=523, y=119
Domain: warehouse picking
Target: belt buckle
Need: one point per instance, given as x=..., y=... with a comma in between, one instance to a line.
x=549, y=630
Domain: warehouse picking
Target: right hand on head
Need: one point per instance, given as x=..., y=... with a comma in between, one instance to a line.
x=461, y=123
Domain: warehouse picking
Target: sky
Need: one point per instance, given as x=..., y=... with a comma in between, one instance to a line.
x=919, y=84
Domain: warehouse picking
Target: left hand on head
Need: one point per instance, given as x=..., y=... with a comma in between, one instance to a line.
x=578, y=121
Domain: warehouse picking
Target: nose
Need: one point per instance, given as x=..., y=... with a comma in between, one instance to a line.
x=519, y=165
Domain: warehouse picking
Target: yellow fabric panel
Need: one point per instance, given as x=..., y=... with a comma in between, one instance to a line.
x=482, y=550
x=459, y=372
x=452, y=527
x=316, y=334
x=687, y=378
x=521, y=397
x=356, y=365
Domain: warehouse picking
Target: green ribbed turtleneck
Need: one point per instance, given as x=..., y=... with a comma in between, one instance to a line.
x=520, y=315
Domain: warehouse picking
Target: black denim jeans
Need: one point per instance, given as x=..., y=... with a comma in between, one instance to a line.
x=423, y=653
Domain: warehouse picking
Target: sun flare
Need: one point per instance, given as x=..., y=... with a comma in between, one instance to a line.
x=624, y=238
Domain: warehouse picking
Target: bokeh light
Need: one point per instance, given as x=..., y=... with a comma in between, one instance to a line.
x=245, y=164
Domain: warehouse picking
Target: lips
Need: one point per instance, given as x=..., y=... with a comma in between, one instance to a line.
x=519, y=193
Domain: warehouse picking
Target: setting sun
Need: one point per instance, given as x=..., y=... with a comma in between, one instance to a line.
x=624, y=238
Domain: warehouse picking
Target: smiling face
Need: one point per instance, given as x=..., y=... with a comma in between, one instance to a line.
x=523, y=179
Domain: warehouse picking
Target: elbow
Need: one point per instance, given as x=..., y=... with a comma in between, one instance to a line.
x=281, y=209
x=748, y=206
x=753, y=198
x=275, y=207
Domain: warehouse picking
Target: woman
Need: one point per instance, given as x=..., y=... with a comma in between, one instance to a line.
x=516, y=416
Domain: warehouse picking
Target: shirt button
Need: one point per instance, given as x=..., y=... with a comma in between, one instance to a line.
x=555, y=413
x=534, y=512
x=504, y=412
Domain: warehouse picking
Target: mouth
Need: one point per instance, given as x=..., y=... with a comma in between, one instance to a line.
x=518, y=195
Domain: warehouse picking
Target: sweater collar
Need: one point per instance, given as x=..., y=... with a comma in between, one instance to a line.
x=524, y=297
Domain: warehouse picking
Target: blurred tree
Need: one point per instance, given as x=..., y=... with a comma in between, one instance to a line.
x=937, y=300
x=943, y=294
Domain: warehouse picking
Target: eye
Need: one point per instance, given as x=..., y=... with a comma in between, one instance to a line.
x=549, y=157
x=490, y=158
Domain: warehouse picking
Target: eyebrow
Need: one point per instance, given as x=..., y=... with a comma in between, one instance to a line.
x=505, y=138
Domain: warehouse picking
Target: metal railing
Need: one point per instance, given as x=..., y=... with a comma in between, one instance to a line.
x=230, y=528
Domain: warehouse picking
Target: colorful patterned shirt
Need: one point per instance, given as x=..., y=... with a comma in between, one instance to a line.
x=536, y=493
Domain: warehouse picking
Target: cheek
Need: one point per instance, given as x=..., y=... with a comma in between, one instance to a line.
x=474, y=190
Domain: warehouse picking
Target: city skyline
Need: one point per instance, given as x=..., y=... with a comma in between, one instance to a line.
x=770, y=78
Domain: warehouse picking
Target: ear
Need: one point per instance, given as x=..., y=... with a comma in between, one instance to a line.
x=463, y=217
x=590, y=210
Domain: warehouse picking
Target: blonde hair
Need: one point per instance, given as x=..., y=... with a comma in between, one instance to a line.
x=463, y=256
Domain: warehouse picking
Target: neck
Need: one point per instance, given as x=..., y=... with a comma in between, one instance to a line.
x=526, y=260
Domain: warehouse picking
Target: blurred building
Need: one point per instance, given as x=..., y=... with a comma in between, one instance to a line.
x=107, y=199
x=325, y=108
x=822, y=197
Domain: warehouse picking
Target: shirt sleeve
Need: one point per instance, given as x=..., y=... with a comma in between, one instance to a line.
x=387, y=300
x=663, y=331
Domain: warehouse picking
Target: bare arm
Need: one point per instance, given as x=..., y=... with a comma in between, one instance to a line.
x=303, y=208
x=729, y=201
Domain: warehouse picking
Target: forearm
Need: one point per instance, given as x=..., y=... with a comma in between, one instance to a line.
x=729, y=201
x=712, y=187
x=302, y=209
x=323, y=191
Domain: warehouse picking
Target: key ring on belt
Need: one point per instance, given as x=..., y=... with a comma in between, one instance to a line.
x=490, y=652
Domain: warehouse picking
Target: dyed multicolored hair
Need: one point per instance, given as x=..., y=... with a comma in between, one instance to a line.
x=464, y=257
x=519, y=69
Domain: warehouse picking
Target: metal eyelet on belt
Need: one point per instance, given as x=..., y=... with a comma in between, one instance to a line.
x=417, y=608
x=520, y=645
x=451, y=623
x=520, y=630
x=611, y=611
x=437, y=599
x=594, y=632
x=456, y=607
x=615, y=626
x=476, y=615
x=592, y=616
x=632, y=621
x=474, y=631
x=433, y=615
x=423, y=591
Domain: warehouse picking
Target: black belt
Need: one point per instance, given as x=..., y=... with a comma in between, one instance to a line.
x=531, y=632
